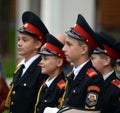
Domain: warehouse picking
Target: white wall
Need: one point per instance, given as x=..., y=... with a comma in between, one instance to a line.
x=21, y=6
x=60, y=15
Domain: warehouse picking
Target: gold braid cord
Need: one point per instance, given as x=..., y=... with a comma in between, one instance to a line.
x=62, y=100
x=8, y=99
x=38, y=97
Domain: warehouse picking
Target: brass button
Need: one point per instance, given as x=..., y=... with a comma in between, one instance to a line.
x=12, y=103
x=13, y=92
x=25, y=84
x=45, y=100
x=37, y=109
x=74, y=91
x=67, y=99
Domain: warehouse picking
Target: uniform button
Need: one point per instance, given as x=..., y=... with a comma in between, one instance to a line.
x=37, y=109
x=25, y=84
x=67, y=99
x=12, y=103
x=13, y=92
x=74, y=91
x=45, y=100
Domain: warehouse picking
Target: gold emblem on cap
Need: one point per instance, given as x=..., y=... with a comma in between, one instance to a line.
x=59, y=55
x=87, y=40
x=105, y=51
x=75, y=25
x=25, y=25
x=44, y=45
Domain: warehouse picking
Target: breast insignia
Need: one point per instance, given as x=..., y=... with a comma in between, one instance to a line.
x=61, y=84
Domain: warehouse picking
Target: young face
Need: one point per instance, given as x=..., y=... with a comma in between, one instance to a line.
x=98, y=62
x=50, y=64
x=73, y=51
x=27, y=45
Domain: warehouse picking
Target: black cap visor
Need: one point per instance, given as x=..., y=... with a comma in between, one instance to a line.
x=72, y=33
x=98, y=51
x=48, y=52
x=26, y=31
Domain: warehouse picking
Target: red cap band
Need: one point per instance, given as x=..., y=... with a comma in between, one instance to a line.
x=90, y=39
x=32, y=28
x=109, y=51
x=56, y=49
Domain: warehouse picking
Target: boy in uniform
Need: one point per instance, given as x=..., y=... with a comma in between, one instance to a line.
x=52, y=63
x=85, y=86
x=27, y=78
x=104, y=59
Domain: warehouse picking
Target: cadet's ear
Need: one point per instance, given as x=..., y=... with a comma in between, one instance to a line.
x=59, y=62
x=38, y=44
x=84, y=48
x=107, y=60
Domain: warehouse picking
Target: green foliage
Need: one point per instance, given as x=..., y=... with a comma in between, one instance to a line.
x=5, y=111
x=9, y=59
x=9, y=66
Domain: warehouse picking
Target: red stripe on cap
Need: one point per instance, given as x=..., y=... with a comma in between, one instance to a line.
x=90, y=39
x=111, y=52
x=35, y=30
x=55, y=49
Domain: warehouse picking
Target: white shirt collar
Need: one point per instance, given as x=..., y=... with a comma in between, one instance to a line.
x=77, y=69
x=28, y=63
x=107, y=75
x=49, y=81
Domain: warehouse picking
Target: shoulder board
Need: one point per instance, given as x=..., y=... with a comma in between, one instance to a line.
x=91, y=72
x=116, y=82
x=61, y=84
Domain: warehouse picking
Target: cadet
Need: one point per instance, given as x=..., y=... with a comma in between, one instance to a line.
x=52, y=63
x=25, y=85
x=104, y=59
x=85, y=87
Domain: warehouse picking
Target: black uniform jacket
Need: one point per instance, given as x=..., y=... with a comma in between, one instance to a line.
x=24, y=92
x=50, y=97
x=86, y=90
x=112, y=95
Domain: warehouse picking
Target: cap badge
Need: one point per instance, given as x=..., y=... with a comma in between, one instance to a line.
x=25, y=25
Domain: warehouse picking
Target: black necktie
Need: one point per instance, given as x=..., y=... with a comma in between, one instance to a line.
x=19, y=72
x=44, y=87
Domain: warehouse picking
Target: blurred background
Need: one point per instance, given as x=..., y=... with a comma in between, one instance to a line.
x=58, y=16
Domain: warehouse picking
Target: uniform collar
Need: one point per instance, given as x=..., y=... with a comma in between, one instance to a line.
x=49, y=81
x=76, y=70
x=29, y=62
x=107, y=75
